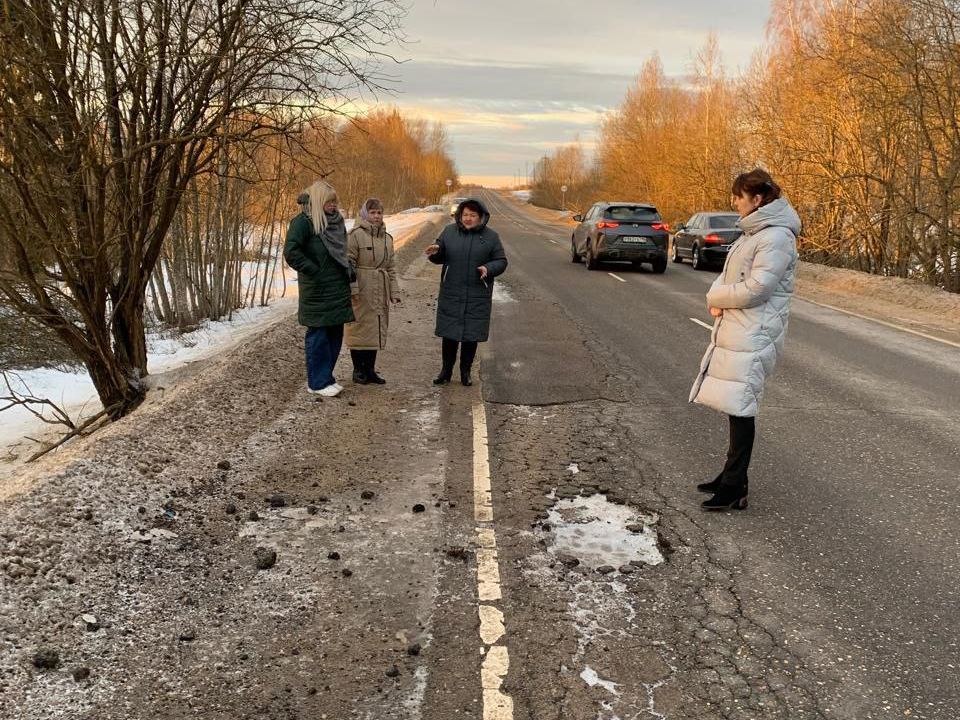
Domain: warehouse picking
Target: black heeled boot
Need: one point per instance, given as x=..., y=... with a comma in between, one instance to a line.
x=728, y=497
x=712, y=486
x=371, y=372
x=359, y=369
x=444, y=377
x=468, y=351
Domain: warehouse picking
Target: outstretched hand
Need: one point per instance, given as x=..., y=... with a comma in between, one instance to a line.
x=431, y=250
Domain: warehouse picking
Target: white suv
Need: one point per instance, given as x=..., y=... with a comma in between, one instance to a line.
x=455, y=203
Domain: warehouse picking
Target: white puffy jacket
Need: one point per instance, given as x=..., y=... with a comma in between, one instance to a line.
x=754, y=291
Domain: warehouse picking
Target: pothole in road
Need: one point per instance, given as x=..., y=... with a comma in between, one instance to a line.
x=602, y=534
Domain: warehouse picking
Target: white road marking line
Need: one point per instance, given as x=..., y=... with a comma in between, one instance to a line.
x=616, y=277
x=487, y=537
x=491, y=624
x=482, y=501
x=883, y=322
x=497, y=705
x=701, y=323
x=488, y=575
x=495, y=667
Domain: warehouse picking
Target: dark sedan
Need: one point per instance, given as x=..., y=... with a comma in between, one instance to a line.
x=705, y=239
x=633, y=232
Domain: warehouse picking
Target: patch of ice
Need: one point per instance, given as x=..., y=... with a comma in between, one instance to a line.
x=501, y=294
x=594, y=530
x=590, y=677
x=534, y=413
x=574, y=468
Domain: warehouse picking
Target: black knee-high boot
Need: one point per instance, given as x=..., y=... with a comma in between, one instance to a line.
x=731, y=491
x=448, y=350
x=371, y=363
x=359, y=367
x=468, y=351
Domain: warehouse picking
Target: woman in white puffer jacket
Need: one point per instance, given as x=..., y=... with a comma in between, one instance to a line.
x=750, y=303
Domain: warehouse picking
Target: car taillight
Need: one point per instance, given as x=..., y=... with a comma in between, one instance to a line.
x=713, y=238
x=603, y=224
x=661, y=226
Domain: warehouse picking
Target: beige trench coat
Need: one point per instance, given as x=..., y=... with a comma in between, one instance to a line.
x=371, y=253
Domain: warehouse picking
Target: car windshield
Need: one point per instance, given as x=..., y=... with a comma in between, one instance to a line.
x=632, y=213
x=723, y=222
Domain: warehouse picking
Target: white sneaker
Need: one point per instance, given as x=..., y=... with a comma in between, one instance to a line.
x=338, y=386
x=329, y=391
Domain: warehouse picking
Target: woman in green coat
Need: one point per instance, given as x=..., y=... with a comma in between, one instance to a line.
x=316, y=248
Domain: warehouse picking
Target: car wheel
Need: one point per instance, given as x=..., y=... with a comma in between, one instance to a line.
x=697, y=259
x=660, y=265
x=674, y=255
x=592, y=262
x=574, y=255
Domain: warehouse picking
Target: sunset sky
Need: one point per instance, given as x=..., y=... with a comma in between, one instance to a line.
x=513, y=79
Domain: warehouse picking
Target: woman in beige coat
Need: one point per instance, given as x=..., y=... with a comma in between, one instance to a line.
x=370, y=249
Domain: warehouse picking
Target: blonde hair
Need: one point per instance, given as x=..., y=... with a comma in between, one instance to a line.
x=320, y=193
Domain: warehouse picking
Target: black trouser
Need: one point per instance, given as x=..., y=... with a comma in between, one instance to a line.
x=468, y=351
x=363, y=360
x=742, y=432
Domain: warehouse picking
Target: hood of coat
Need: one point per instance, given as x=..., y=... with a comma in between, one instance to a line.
x=484, y=217
x=377, y=231
x=778, y=213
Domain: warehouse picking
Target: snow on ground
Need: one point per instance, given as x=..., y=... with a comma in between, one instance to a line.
x=403, y=226
x=166, y=350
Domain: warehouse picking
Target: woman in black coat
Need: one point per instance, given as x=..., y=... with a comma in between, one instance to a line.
x=472, y=256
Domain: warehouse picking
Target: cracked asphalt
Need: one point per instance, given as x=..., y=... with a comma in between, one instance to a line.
x=833, y=596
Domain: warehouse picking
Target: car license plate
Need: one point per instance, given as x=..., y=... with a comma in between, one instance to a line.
x=632, y=239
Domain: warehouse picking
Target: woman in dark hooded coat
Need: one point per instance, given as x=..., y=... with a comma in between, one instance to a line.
x=472, y=256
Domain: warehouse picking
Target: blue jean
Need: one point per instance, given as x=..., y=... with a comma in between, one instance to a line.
x=322, y=348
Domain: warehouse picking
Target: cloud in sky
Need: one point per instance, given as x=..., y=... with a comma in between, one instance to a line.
x=512, y=80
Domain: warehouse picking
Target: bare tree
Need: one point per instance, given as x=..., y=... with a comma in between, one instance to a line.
x=111, y=109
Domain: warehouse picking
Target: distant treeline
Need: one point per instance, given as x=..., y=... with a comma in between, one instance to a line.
x=853, y=106
x=240, y=214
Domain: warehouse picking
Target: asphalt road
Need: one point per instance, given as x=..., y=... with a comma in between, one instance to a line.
x=850, y=550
